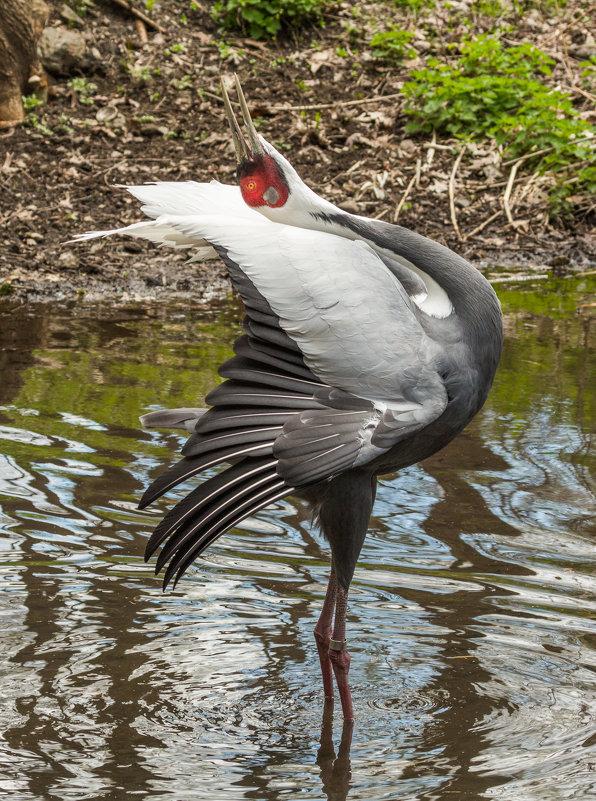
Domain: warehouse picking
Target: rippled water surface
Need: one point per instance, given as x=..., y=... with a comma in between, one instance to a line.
x=471, y=624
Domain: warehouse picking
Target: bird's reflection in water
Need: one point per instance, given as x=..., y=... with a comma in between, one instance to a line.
x=336, y=770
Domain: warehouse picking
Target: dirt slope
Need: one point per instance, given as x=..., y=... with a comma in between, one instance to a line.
x=135, y=111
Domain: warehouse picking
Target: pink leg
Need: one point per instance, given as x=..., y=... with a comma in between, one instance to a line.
x=323, y=635
x=340, y=658
x=335, y=771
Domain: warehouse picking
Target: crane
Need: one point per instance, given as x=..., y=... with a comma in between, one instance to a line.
x=366, y=348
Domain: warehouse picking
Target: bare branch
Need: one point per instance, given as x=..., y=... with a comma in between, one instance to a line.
x=128, y=6
x=452, y=191
x=507, y=193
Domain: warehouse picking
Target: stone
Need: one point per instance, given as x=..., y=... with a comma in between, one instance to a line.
x=68, y=260
x=61, y=50
x=584, y=51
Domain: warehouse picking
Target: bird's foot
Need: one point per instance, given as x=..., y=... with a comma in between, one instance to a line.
x=323, y=638
x=340, y=660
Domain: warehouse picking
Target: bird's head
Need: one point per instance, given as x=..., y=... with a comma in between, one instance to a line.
x=261, y=175
x=268, y=182
x=262, y=183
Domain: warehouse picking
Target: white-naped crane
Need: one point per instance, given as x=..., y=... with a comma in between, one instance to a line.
x=367, y=348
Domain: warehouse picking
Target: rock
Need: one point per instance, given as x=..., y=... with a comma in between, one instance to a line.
x=68, y=260
x=110, y=116
x=132, y=247
x=350, y=206
x=61, y=50
x=438, y=187
x=153, y=130
x=585, y=51
x=408, y=146
x=155, y=280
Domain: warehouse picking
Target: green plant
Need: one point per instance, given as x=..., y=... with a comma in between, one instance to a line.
x=492, y=8
x=545, y=6
x=63, y=125
x=31, y=102
x=265, y=18
x=493, y=91
x=573, y=194
x=83, y=89
x=496, y=92
x=33, y=120
x=182, y=83
x=227, y=51
x=415, y=5
x=144, y=74
x=588, y=73
x=392, y=45
x=80, y=6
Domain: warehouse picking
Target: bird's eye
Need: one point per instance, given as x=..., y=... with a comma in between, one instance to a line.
x=250, y=185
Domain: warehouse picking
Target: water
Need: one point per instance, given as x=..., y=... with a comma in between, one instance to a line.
x=471, y=624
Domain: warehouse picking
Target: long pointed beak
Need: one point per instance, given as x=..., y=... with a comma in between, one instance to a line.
x=244, y=149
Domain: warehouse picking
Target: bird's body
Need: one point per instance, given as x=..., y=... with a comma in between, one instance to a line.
x=366, y=349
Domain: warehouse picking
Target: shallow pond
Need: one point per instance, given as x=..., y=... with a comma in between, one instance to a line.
x=471, y=624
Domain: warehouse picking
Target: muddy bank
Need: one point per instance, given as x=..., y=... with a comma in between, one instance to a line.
x=133, y=111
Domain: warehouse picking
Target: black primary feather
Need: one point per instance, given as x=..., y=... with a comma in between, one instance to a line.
x=267, y=384
x=272, y=419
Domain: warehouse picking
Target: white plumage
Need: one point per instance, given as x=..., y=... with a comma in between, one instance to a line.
x=366, y=349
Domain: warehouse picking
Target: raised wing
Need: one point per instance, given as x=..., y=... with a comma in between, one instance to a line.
x=280, y=426
x=333, y=370
x=176, y=197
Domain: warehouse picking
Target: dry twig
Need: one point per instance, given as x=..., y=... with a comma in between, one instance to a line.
x=547, y=150
x=141, y=30
x=434, y=145
x=376, y=99
x=558, y=32
x=452, y=190
x=316, y=106
x=127, y=6
x=404, y=197
x=483, y=225
x=573, y=85
x=507, y=193
x=527, y=186
x=431, y=150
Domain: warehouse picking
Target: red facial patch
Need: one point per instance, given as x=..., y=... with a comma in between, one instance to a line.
x=261, y=183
